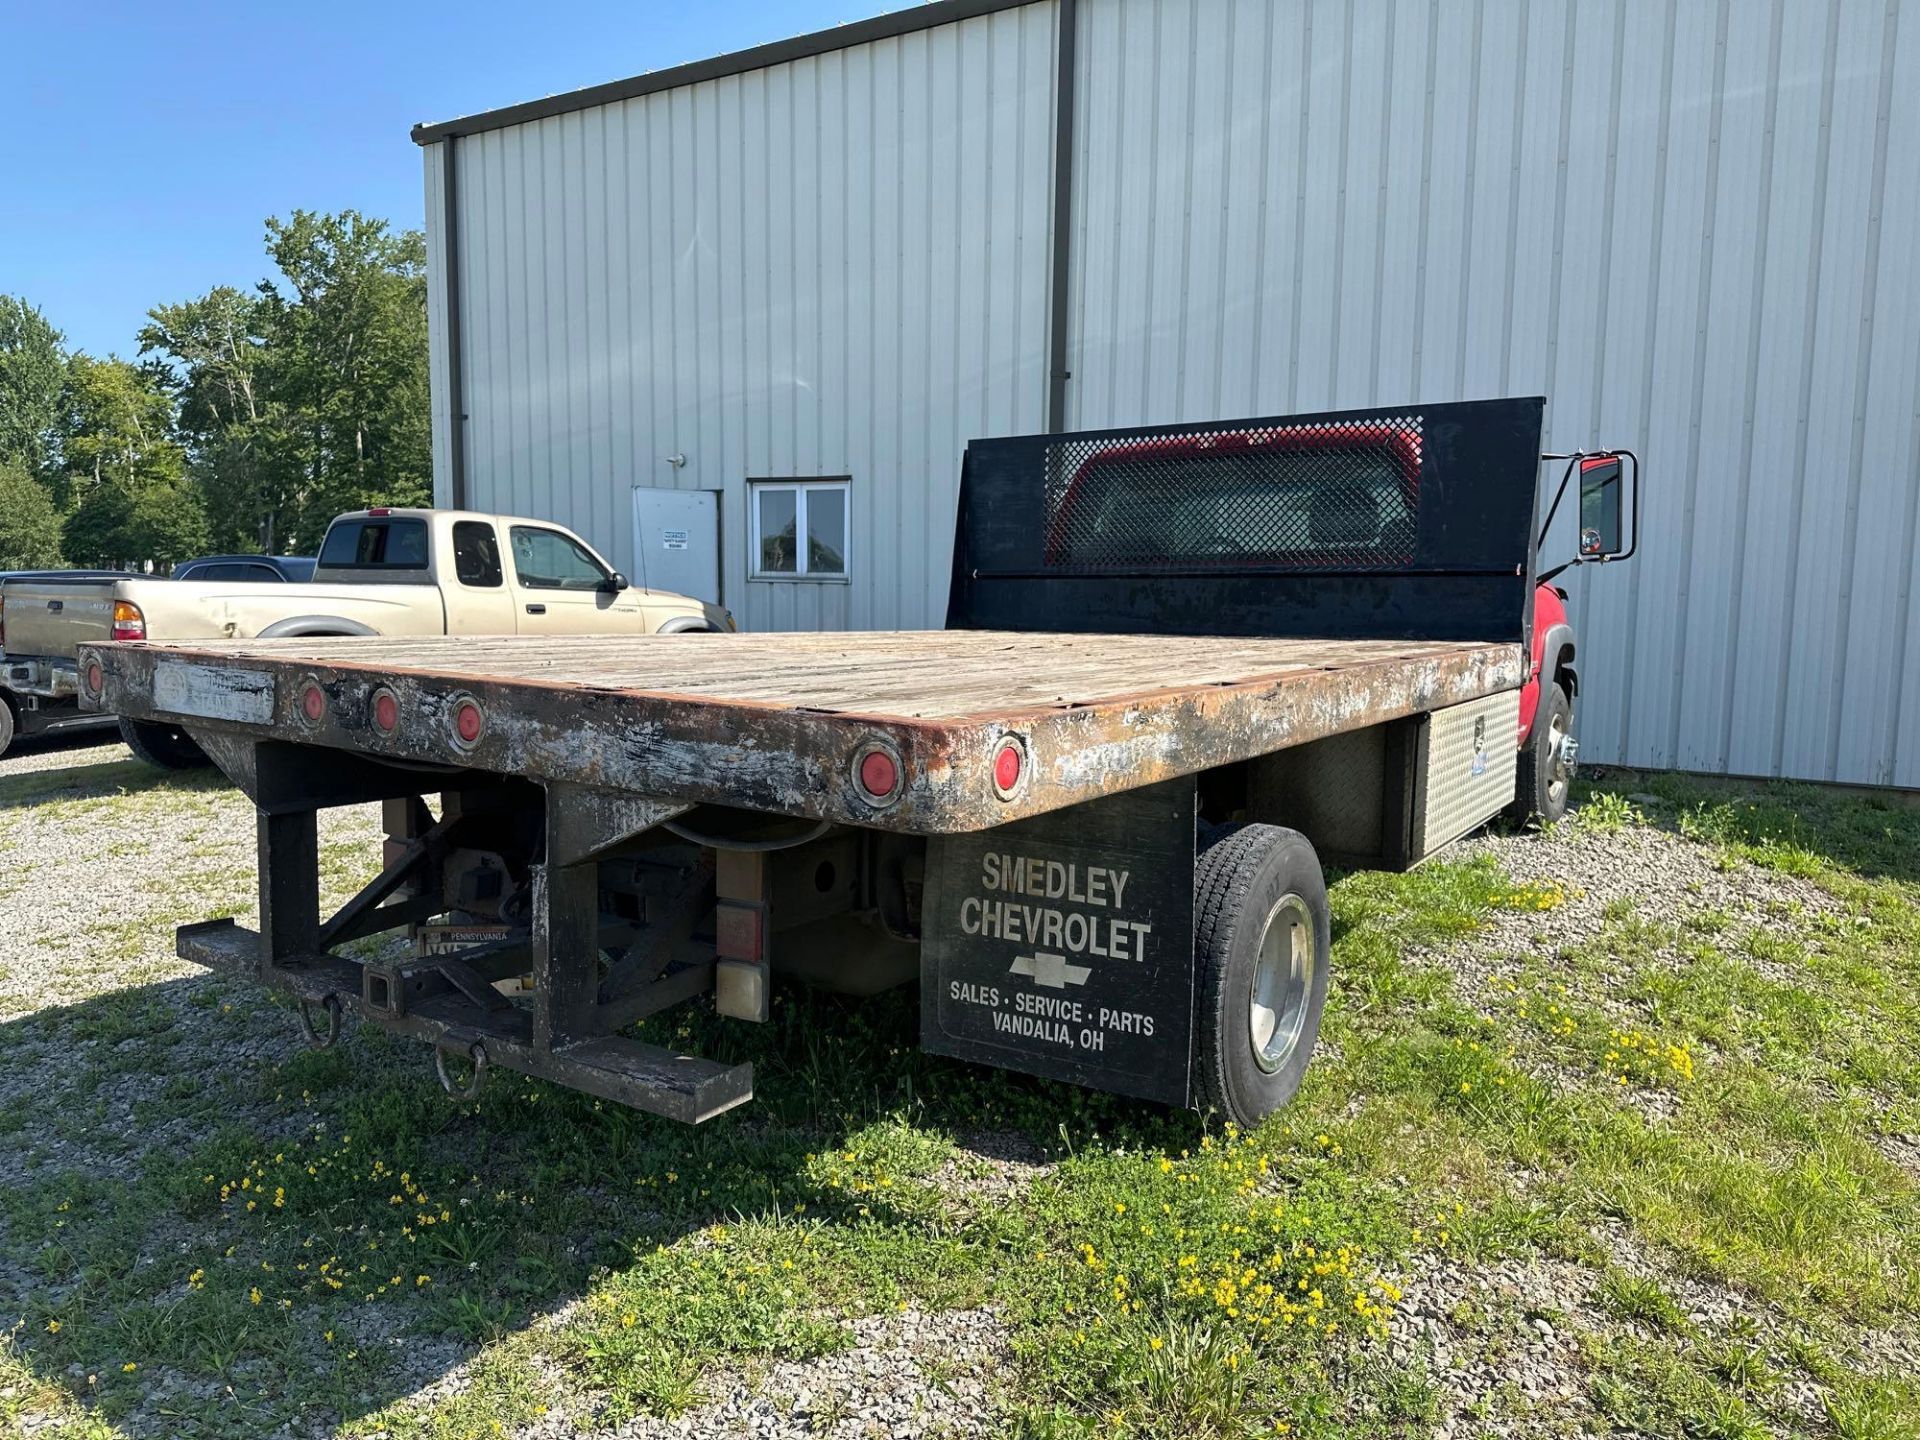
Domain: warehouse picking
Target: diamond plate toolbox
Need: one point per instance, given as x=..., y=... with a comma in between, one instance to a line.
x=1467, y=768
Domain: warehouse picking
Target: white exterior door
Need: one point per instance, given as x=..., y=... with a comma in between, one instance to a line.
x=676, y=541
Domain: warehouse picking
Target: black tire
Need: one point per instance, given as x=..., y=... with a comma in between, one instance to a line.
x=9, y=724
x=1543, y=784
x=1246, y=880
x=167, y=746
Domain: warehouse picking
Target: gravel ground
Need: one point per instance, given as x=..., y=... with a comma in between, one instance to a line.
x=84, y=917
x=85, y=892
x=905, y=1376
x=81, y=919
x=1667, y=880
x=1508, y=1332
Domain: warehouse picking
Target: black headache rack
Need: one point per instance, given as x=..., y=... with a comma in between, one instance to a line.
x=1413, y=523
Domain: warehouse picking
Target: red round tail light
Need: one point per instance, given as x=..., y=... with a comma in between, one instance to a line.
x=313, y=702
x=879, y=775
x=1009, y=767
x=96, y=679
x=386, y=712
x=468, y=721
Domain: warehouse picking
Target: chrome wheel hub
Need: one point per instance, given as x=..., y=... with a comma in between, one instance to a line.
x=1562, y=749
x=1282, y=983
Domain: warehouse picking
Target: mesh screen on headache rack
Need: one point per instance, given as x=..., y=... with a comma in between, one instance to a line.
x=1406, y=521
x=1340, y=495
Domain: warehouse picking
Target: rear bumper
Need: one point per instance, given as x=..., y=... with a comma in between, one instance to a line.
x=48, y=678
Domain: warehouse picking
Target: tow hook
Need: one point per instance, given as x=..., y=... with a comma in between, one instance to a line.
x=317, y=1038
x=476, y=1056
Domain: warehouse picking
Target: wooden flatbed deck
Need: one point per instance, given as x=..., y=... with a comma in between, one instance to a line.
x=775, y=722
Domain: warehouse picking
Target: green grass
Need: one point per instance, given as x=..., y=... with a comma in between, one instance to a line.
x=1727, y=1095
x=1659, y=1388
x=1640, y=1298
x=59, y=794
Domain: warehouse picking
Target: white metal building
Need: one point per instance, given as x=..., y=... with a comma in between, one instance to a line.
x=1690, y=223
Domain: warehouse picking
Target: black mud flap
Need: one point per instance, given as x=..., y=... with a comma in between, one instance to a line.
x=1062, y=946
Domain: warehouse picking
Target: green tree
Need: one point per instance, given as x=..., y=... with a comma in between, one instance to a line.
x=347, y=355
x=32, y=374
x=98, y=530
x=29, y=525
x=120, y=465
x=167, y=523
x=116, y=425
x=218, y=364
x=309, y=397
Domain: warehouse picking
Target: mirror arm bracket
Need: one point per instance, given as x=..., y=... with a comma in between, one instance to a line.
x=1560, y=491
x=1573, y=459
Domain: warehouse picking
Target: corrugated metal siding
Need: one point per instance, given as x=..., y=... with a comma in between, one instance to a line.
x=835, y=266
x=1689, y=225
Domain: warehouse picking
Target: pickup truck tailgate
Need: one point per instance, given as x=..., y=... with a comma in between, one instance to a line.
x=50, y=618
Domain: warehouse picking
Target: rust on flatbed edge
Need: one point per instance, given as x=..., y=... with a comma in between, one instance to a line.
x=784, y=757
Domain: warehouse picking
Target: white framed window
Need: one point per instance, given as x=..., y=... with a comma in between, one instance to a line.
x=800, y=529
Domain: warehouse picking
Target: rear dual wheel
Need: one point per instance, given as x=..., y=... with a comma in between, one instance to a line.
x=167, y=746
x=1262, y=932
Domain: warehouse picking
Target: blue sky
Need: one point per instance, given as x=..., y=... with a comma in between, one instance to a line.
x=142, y=145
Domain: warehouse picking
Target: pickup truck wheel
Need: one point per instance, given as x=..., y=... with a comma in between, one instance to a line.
x=164, y=745
x=1546, y=761
x=1261, y=937
x=9, y=726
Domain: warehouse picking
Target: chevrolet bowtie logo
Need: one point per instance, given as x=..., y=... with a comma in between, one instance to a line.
x=1053, y=971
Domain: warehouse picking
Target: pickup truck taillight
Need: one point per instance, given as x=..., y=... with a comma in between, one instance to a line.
x=128, y=622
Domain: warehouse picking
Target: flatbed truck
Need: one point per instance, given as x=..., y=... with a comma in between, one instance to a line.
x=1182, y=666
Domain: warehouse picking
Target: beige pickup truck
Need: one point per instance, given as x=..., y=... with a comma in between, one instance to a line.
x=381, y=572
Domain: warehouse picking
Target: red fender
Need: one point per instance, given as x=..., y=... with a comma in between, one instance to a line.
x=1549, y=610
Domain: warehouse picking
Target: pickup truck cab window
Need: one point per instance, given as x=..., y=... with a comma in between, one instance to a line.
x=230, y=570
x=385, y=544
x=476, y=554
x=548, y=560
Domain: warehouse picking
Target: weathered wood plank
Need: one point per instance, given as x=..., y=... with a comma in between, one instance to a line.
x=918, y=675
x=777, y=722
